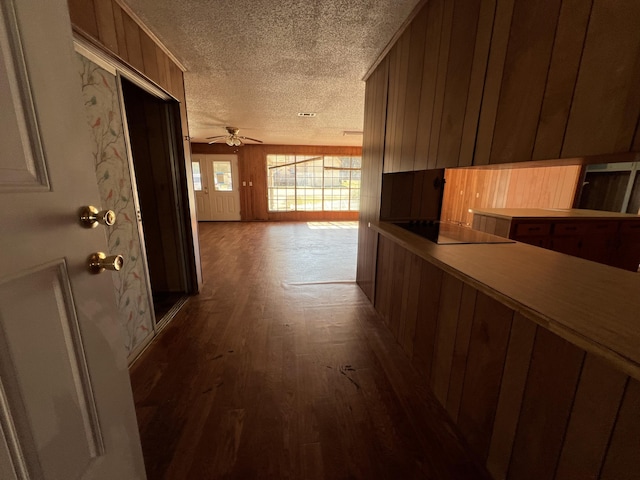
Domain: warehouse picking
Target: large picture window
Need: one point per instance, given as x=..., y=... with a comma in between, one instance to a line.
x=313, y=183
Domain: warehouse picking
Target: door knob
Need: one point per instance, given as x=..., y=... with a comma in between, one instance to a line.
x=90, y=217
x=99, y=262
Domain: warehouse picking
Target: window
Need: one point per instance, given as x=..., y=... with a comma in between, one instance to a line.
x=197, y=180
x=222, y=176
x=313, y=183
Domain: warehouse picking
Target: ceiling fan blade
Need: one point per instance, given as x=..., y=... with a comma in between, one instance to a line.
x=215, y=141
x=249, y=138
x=217, y=136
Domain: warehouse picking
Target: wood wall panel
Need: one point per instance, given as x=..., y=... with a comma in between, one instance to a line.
x=427, y=319
x=606, y=103
x=476, y=82
x=397, y=96
x=417, y=34
x=134, y=46
x=622, y=462
x=441, y=82
x=460, y=57
x=493, y=81
x=118, y=22
x=149, y=57
x=540, y=187
x=426, y=116
x=516, y=369
x=483, y=376
x=593, y=415
x=371, y=183
x=561, y=81
x=445, y=339
x=533, y=26
x=546, y=407
x=83, y=16
x=461, y=350
x=383, y=276
x=107, y=26
x=410, y=303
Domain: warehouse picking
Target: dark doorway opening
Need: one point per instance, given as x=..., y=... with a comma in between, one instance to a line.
x=160, y=181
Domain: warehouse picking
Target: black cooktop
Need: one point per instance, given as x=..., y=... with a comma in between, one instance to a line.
x=444, y=233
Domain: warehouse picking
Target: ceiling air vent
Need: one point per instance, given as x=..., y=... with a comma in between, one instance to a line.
x=306, y=114
x=350, y=133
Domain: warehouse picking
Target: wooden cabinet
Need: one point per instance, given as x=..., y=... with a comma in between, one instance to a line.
x=480, y=82
x=561, y=81
x=436, y=72
x=603, y=237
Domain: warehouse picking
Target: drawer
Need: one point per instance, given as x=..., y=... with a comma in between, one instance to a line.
x=531, y=229
x=630, y=227
x=602, y=228
x=570, y=228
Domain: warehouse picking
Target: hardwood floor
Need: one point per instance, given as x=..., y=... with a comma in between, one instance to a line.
x=282, y=369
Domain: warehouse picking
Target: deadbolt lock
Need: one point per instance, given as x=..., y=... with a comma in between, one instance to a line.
x=99, y=262
x=90, y=217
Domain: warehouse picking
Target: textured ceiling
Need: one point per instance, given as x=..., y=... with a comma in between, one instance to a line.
x=256, y=64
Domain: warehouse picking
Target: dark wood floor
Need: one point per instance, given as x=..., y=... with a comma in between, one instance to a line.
x=281, y=369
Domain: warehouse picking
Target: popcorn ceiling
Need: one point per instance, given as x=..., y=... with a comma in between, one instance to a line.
x=255, y=64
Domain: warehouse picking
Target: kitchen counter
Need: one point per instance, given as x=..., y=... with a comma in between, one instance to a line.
x=593, y=306
x=553, y=213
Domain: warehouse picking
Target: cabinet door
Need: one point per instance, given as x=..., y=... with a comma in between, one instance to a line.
x=600, y=242
x=561, y=81
x=606, y=102
x=521, y=49
x=628, y=251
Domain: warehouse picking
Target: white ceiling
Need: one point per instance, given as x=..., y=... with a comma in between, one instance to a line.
x=256, y=64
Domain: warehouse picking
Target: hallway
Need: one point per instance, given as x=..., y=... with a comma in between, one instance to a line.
x=281, y=369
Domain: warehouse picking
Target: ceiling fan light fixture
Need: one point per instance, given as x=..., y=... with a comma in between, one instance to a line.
x=232, y=138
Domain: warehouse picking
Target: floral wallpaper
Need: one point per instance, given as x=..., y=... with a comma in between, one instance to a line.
x=104, y=119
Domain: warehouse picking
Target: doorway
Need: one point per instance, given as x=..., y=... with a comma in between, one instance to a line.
x=159, y=180
x=216, y=184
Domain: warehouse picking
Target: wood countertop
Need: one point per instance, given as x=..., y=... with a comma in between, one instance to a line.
x=545, y=213
x=594, y=306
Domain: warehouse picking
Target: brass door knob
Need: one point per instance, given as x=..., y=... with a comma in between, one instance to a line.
x=90, y=217
x=99, y=262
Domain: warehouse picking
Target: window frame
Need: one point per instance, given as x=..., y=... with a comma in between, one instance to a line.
x=295, y=160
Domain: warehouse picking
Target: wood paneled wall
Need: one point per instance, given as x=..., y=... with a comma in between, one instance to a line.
x=252, y=166
x=372, y=166
x=538, y=187
x=105, y=23
x=530, y=404
x=501, y=81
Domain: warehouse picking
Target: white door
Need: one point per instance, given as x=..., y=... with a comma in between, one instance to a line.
x=66, y=409
x=202, y=197
x=221, y=192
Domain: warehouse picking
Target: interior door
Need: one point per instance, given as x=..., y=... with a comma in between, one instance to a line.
x=66, y=409
x=221, y=189
x=199, y=177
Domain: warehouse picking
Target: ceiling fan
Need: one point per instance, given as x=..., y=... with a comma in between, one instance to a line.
x=232, y=139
